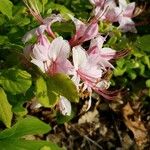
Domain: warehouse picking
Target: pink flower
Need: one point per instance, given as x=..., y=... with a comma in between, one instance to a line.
x=102, y=55
x=64, y=106
x=104, y=10
x=38, y=51
x=46, y=26
x=99, y=54
x=53, y=58
x=86, y=71
x=85, y=68
x=125, y=13
x=83, y=32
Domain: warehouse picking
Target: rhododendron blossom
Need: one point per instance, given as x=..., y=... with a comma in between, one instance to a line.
x=64, y=106
x=84, y=32
x=46, y=26
x=87, y=72
x=85, y=64
x=99, y=54
x=125, y=13
x=53, y=59
x=108, y=10
x=104, y=9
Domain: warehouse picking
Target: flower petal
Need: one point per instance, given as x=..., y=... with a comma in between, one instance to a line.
x=59, y=48
x=128, y=12
x=79, y=56
x=39, y=63
x=65, y=106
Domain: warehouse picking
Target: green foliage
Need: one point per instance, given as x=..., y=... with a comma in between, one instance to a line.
x=148, y=83
x=44, y=96
x=5, y=109
x=12, y=138
x=27, y=126
x=62, y=119
x=62, y=85
x=60, y=8
x=144, y=43
x=15, y=80
x=6, y=8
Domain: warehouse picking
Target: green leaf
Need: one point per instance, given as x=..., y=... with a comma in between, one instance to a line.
x=53, y=97
x=61, y=8
x=45, y=97
x=44, y=2
x=3, y=39
x=17, y=102
x=5, y=109
x=21, y=20
x=20, y=144
x=6, y=8
x=61, y=119
x=119, y=71
x=2, y=19
x=64, y=86
x=148, y=83
x=10, y=138
x=45, y=148
x=132, y=74
x=15, y=80
x=27, y=126
x=144, y=43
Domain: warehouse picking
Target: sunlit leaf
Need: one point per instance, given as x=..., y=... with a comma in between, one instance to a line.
x=6, y=7
x=64, y=86
x=20, y=144
x=143, y=43
x=61, y=8
x=148, y=83
x=15, y=80
x=5, y=109
x=27, y=126
x=61, y=119
x=41, y=92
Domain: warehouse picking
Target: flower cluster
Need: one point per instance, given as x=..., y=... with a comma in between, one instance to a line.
x=86, y=67
x=109, y=11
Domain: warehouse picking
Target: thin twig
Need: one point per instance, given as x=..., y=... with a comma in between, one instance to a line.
x=96, y=144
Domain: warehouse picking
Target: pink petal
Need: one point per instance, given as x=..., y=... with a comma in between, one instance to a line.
x=128, y=12
x=64, y=106
x=39, y=63
x=40, y=52
x=96, y=42
x=107, y=53
x=90, y=32
x=126, y=24
x=61, y=65
x=59, y=48
x=79, y=56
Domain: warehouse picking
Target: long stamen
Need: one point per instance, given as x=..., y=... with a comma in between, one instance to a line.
x=33, y=8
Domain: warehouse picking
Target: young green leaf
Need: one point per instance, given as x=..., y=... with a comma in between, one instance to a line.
x=44, y=95
x=61, y=119
x=64, y=86
x=61, y=8
x=15, y=80
x=143, y=43
x=148, y=83
x=27, y=126
x=41, y=92
x=20, y=144
x=5, y=109
x=6, y=8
